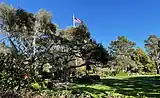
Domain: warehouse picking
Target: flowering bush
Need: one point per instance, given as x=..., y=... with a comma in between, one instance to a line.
x=15, y=73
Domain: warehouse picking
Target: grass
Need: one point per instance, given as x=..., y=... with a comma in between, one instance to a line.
x=124, y=86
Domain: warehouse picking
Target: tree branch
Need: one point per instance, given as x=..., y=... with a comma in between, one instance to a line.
x=84, y=64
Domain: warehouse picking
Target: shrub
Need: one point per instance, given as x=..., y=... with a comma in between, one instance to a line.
x=15, y=72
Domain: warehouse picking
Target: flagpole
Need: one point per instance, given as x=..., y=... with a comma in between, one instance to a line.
x=73, y=20
x=76, y=61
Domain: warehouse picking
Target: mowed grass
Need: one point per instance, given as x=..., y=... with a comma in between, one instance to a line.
x=122, y=87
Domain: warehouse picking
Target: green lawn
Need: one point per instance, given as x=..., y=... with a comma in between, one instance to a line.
x=126, y=87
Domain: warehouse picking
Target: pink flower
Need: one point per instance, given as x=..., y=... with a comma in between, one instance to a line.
x=25, y=76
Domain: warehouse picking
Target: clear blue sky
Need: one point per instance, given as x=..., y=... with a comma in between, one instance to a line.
x=106, y=19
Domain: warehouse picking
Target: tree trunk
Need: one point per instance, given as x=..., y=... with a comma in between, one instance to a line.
x=157, y=67
x=65, y=74
x=158, y=70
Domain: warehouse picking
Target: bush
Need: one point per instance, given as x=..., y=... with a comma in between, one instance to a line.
x=15, y=72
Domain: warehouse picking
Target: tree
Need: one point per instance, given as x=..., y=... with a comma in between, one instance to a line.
x=143, y=61
x=153, y=50
x=4, y=49
x=16, y=25
x=122, y=49
x=80, y=46
x=35, y=35
x=122, y=46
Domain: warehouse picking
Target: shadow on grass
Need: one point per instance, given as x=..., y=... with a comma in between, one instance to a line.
x=135, y=86
x=89, y=90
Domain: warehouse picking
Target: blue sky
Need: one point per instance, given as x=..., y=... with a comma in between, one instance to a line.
x=106, y=19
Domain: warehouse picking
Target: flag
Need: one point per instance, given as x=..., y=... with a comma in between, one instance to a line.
x=76, y=20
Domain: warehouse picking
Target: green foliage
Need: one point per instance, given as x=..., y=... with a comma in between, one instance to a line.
x=121, y=46
x=145, y=64
x=122, y=49
x=4, y=49
x=151, y=45
x=15, y=71
x=127, y=58
x=54, y=55
x=36, y=86
x=122, y=74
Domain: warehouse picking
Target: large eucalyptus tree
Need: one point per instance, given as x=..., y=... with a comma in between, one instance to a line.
x=153, y=48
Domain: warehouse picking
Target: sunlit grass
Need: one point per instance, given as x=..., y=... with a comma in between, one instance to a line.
x=125, y=86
